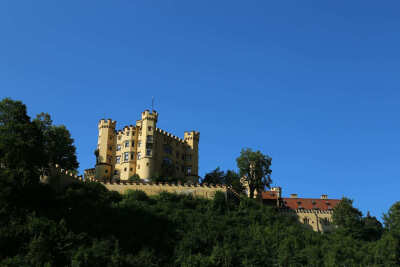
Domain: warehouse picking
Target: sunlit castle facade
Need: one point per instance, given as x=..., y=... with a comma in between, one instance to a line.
x=143, y=149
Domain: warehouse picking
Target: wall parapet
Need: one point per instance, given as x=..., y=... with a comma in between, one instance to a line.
x=196, y=190
x=297, y=211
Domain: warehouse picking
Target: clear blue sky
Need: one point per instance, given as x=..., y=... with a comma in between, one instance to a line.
x=314, y=84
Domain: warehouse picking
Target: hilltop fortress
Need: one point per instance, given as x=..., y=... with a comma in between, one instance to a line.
x=144, y=150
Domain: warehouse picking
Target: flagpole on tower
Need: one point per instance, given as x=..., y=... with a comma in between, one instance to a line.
x=152, y=104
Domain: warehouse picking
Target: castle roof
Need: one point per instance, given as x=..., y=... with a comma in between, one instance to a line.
x=295, y=203
x=310, y=203
x=270, y=195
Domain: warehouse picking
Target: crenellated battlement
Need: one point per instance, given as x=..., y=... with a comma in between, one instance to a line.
x=167, y=134
x=128, y=128
x=192, y=135
x=309, y=211
x=107, y=123
x=188, y=185
x=149, y=115
x=196, y=190
x=141, y=149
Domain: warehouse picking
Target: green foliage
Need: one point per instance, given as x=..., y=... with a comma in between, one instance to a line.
x=20, y=143
x=254, y=167
x=135, y=178
x=214, y=177
x=229, y=178
x=392, y=219
x=57, y=144
x=87, y=225
x=348, y=218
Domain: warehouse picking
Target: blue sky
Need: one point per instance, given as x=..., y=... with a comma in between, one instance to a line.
x=313, y=84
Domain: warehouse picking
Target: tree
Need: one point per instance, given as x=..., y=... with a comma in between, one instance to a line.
x=20, y=142
x=254, y=167
x=347, y=218
x=134, y=178
x=58, y=145
x=372, y=228
x=392, y=219
x=232, y=179
x=214, y=177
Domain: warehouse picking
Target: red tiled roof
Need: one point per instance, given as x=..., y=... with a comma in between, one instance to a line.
x=310, y=203
x=269, y=195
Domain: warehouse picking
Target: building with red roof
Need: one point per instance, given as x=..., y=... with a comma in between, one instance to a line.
x=315, y=213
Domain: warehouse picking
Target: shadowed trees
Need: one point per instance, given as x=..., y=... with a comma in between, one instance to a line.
x=254, y=167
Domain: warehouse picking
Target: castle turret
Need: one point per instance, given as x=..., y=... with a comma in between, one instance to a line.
x=105, y=149
x=145, y=162
x=192, y=138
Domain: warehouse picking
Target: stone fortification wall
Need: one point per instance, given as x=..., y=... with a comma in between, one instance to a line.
x=196, y=190
x=317, y=220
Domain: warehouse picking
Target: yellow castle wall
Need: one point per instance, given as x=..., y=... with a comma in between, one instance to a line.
x=154, y=189
x=148, y=142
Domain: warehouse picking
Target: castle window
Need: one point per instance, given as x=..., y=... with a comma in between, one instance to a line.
x=148, y=152
x=124, y=169
x=126, y=156
x=139, y=143
x=167, y=160
x=110, y=137
x=138, y=155
x=189, y=170
x=149, y=139
x=128, y=133
x=126, y=143
x=132, y=155
x=306, y=221
x=118, y=159
x=119, y=137
x=106, y=171
x=133, y=143
x=149, y=128
x=167, y=149
x=130, y=169
x=110, y=147
x=118, y=147
x=324, y=221
x=109, y=158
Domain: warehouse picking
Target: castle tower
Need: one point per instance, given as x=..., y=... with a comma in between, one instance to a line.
x=105, y=148
x=192, y=138
x=145, y=150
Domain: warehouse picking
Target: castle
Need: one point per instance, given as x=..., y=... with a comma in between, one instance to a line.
x=144, y=150
x=314, y=213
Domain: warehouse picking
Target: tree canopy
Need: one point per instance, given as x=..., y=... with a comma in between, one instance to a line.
x=254, y=167
x=86, y=225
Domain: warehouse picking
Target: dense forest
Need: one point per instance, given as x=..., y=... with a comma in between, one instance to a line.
x=87, y=225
